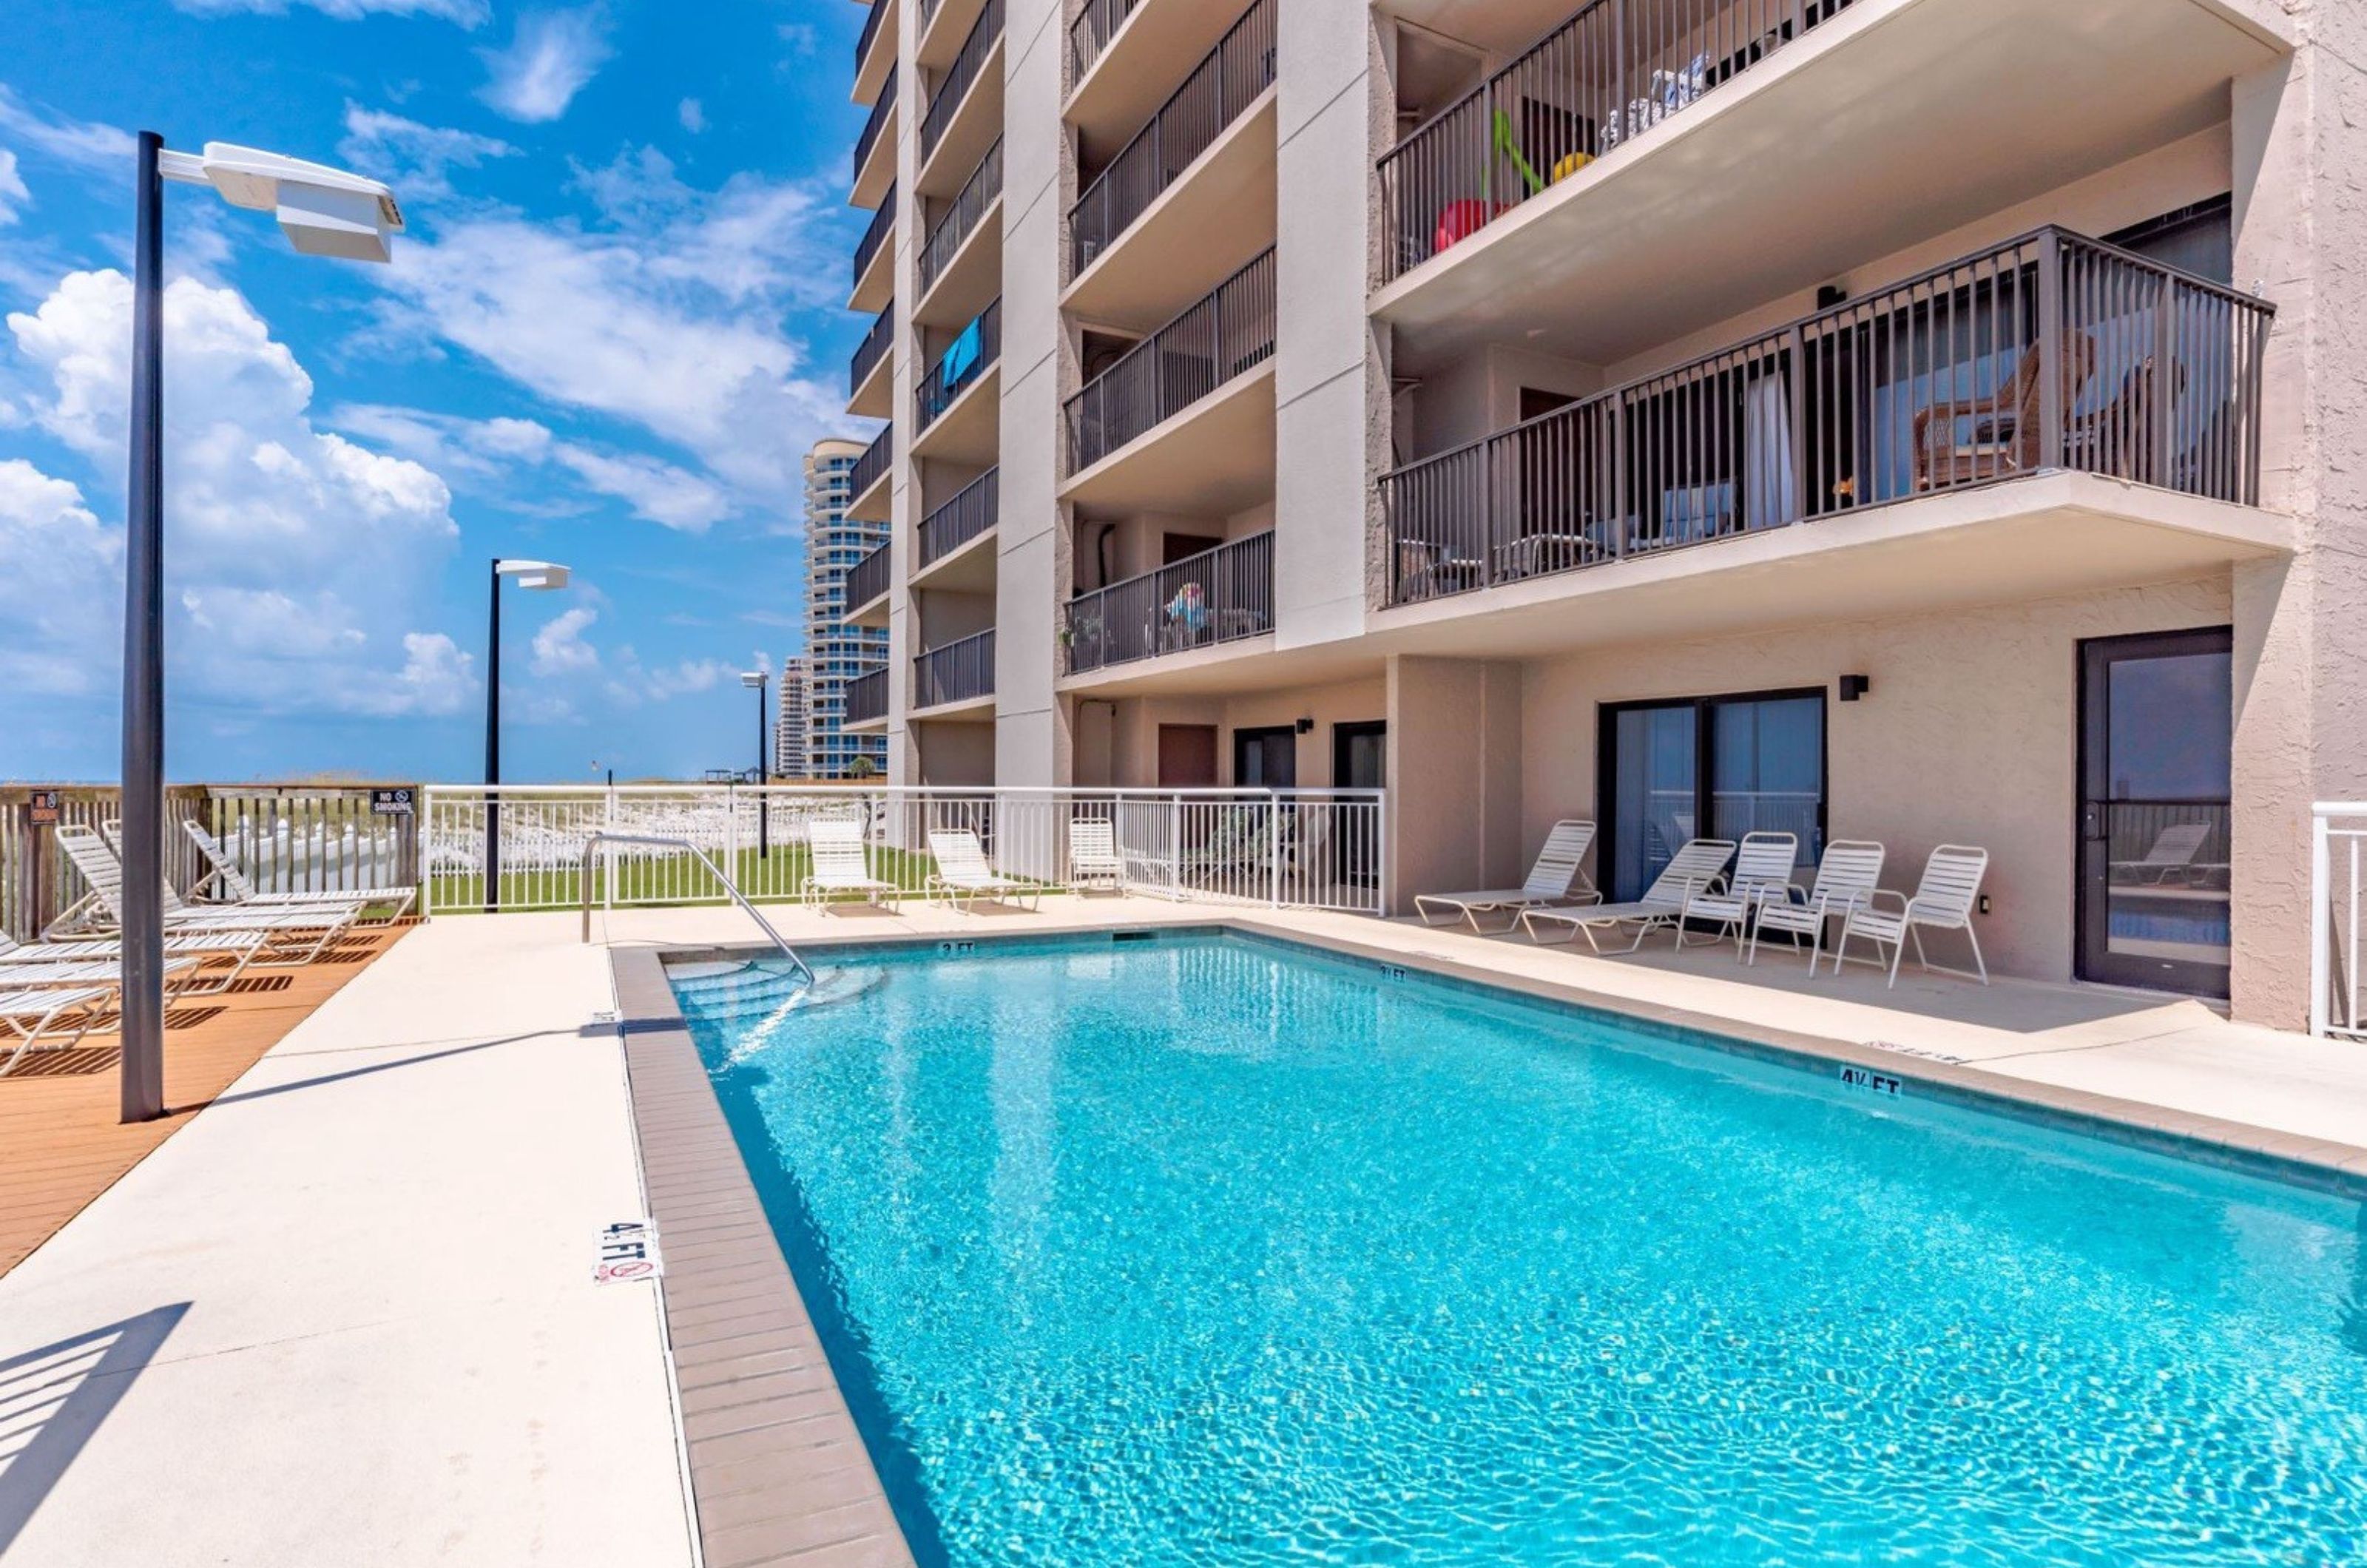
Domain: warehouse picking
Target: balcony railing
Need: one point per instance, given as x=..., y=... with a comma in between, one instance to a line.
x=961, y=214
x=956, y=672
x=870, y=468
x=960, y=75
x=1615, y=69
x=1229, y=332
x=883, y=223
x=868, y=579
x=971, y=356
x=867, y=697
x=1220, y=596
x=1090, y=34
x=881, y=110
x=957, y=521
x=2050, y=352
x=1219, y=88
x=873, y=348
x=881, y=12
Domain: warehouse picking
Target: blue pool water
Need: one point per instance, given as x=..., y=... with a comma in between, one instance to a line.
x=1203, y=1250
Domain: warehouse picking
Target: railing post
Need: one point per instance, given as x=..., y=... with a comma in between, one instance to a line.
x=2164, y=385
x=1614, y=421
x=2321, y=924
x=1796, y=392
x=1273, y=852
x=2051, y=412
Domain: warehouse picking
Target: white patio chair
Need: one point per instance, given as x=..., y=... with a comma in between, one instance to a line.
x=1694, y=866
x=192, y=947
x=1846, y=878
x=963, y=875
x=31, y=1014
x=2172, y=855
x=1092, y=854
x=842, y=865
x=1762, y=870
x=1551, y=881
x=291, y=937
x=224, y=878
x=1943, y=900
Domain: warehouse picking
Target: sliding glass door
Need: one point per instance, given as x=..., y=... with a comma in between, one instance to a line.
x=1708, y=767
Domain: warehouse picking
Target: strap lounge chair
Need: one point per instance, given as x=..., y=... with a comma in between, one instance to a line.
x=963, y=875
x=1696, y=866
x=840, y=866
x=20, y=975
x=192, y=948
x=1943, y=900
x=225, y=884
x=29, y=1015
x=1092, y=854
x=1551, y=881
x=1762, y=870
x=1846, y=878
x=2172, y=855
x=291, y=937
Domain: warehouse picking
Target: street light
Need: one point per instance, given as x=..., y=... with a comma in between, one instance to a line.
x=535, y=576
x=754, y=681
x=324, y=212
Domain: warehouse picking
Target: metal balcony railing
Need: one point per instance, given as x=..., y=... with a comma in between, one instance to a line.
x=881, y=111
x=1230, y=331
x=961, y=216
x=883, y=223
x=956, y=672
x=1097, y=22
x=867, y=697
x=872, y=349
x=2050, y=352
x=970, y=513
x=1220, y=87
x=972, y=354
x=882, y=12
x=867, y=580
x=870, y=468
x=1220, y=596
x=960, y=76
x=1607, y=76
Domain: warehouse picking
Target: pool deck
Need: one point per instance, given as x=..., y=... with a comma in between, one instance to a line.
x=347, y=1315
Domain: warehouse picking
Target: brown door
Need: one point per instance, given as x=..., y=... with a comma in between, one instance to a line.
x=1187, y=756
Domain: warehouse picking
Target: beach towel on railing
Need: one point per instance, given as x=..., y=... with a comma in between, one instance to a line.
x=961, y=356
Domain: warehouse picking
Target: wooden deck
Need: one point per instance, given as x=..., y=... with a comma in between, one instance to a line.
x=60, y=1145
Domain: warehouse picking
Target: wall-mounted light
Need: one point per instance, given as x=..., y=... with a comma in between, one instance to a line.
x=1855, y=686
x=1306, y=727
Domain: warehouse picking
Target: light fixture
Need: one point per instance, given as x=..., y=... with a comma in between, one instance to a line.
x=324, y=211
x=1855, y=686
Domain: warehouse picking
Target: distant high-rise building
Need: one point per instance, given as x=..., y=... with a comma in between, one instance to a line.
x=790, y=724
x=835, y=651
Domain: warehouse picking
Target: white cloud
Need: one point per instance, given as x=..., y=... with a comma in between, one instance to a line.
x=84, y=144
x=416, y=159
x=552, y=56
x=656, y=491
x=483, y=450
x=62, y=618
x=468, y=12
x=14, y=196
x=693, y=114
x=560, y=647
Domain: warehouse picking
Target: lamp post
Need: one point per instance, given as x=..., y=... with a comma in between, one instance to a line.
x=754, y=681
x=323, y=212
x=535, y=576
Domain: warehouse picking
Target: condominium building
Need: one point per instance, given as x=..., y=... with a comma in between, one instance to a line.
x=790, y=723
x=1921, y=421
x=842, y=660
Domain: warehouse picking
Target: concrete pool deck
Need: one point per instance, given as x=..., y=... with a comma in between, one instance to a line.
x=347, y=1315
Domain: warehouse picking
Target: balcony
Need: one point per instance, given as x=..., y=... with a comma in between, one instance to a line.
x=867, y=391
x=875, y=51
x=867, y=700
x=1097, y=22
x=955, y=401
x=1208, y=372
x=1219, y=596
x=1191, y=196
x=867, y=590
x=959, y=674
x=2051, y=414
x=875, y=150
x=866, y=483
x=1126, y=55
x=1584, y=200
x=966, y=110
x=971, y=273
x=953, y=548
x=874, y=272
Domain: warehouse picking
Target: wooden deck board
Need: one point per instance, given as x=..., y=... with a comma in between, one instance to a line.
x=60, y=1145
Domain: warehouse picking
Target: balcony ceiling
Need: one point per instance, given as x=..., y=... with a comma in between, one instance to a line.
x=1500, y=27
x=1160, y=44
x=1897, y=121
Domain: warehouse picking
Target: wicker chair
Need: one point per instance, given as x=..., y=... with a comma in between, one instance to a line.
x=2003, y=437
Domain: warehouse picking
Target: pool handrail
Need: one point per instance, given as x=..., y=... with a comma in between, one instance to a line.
x=665, y=841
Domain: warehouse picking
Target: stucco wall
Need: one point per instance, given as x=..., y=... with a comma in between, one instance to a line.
x=1127, y=730
x=1455, y=776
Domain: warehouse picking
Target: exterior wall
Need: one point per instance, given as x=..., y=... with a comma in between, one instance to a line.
x=1456, y=758
x=904, y=638
x=954, y=755
x=1969, y=735
x=791, y=722
x=836, y=652
x=1126, y=731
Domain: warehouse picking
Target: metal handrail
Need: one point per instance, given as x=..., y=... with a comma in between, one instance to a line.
x=662, y=841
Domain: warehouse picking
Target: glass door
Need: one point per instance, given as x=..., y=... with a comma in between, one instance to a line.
x=2156, y=724
x=1359, y=761
x=1651, y=791
x=1710, y=768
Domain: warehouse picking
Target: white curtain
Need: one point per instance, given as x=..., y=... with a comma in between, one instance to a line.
x=1770, y=488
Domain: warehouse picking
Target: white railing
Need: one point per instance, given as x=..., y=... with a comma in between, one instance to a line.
x=1292, y=849
x=2338, y=894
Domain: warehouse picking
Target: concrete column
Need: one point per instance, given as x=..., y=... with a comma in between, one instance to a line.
x=1455, y=776
x=903, y=620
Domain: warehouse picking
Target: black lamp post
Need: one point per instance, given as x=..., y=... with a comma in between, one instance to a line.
x=754, y=680
x=538, y=576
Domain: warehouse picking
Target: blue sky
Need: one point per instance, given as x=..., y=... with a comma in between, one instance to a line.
x=613, y=331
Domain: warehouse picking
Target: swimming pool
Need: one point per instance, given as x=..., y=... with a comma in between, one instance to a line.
x=1202, y=1248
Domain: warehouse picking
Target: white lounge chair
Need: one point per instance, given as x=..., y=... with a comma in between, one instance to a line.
x=193, y=947
x=291, y=937
x=2172, y=855
x=1943, y=900
x=225, y=884
x=1846, y=877
x=842, y=866
x=1762, y=870
x=963, y=875
x=1551, y=881
x=31, y=1014
x=1092, y=854
x=1696, y=866
x=41, y=974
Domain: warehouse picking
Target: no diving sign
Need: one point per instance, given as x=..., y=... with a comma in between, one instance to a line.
x=629, y=1251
